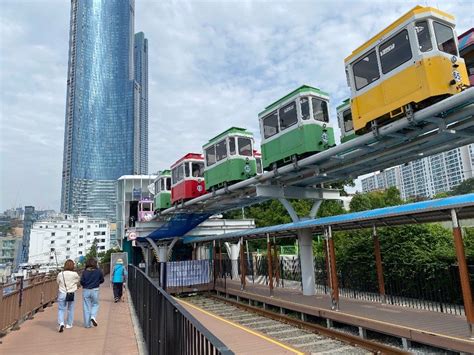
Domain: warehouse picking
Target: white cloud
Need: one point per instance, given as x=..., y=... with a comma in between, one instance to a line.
x=212, y=65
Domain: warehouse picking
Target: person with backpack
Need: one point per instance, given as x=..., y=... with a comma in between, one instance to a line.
x=67, y=280
x=119, y=276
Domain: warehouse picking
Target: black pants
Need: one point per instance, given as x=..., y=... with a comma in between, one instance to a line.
x=118, y=289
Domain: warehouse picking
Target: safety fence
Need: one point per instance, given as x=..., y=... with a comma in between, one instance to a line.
x=167, y=327
x=22, y=299
x=426, y=286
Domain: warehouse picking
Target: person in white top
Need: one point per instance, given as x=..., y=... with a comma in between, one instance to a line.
x=68, y=281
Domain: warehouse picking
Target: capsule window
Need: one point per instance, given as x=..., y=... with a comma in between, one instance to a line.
x=366, y=70
x=232, y=145
x=395, y=52
x=445, y=38
x=186, y=170
x=347, y=118
x=221, y=150
x=211, y=155
x=162, y=188
x=245, y=147
x=304, y=102
x=168, y=184
x=423, y=36
x=197, y=169
x=157, y=186
x=259, y=165
x=288, y=116
x=320, y=110
x=270, y=125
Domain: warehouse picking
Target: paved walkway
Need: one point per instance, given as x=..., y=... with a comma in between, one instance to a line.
x=114, y=335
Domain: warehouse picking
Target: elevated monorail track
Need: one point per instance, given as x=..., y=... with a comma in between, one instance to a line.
x=445, y=125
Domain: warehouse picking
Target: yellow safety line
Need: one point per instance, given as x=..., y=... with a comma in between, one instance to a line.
x=243, y=328
x=372, y=320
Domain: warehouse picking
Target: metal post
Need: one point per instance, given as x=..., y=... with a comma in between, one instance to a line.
x=269, y=263
x=463, y=273
x=276, y=260
x=378, y=263
x=326, y=262
x=332, y=267
x=214, y=269
x=242, y=264
x=220, y=260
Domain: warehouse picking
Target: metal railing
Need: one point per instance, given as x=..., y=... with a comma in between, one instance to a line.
x=435, y=288
x=21, y=299
x=167, y=327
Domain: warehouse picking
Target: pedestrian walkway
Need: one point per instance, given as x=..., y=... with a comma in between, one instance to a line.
x=114, y=334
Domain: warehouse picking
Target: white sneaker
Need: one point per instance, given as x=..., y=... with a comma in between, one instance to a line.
x=68, y=326
x=61, y=328
x=94, y=322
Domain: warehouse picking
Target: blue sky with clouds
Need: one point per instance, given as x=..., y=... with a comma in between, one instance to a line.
x=212, y=64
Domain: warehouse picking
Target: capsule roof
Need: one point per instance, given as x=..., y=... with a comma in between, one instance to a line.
x=301, y=89
x=230, y=131
x=415, y=11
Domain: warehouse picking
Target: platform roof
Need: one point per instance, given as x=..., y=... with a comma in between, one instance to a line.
x=419, y=212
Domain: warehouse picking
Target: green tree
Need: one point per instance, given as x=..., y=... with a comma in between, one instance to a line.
x=104, y=257
x=465, y=187
x=92, y=252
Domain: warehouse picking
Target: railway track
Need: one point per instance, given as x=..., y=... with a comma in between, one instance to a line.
x=307, y=337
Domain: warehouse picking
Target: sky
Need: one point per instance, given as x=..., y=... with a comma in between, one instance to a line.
x=212, y=65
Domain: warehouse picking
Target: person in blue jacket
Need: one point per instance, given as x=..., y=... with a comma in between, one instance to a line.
x=91, y=278
x=119, y=276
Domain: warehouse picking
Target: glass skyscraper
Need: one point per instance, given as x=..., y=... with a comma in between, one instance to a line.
x=140, y=56
x=100, y=127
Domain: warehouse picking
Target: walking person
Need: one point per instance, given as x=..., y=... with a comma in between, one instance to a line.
x=67, y=280
x=119, y=276
x=91, y=278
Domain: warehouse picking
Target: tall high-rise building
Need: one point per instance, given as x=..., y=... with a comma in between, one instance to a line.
x=428, y=176
x=140, y=56
x=99, y=136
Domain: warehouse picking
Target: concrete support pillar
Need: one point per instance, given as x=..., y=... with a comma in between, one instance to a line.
x=305, y=242
x=463, y=273
x=233, y=252
x=378, y=264
x=163, y=253
x=332, y=270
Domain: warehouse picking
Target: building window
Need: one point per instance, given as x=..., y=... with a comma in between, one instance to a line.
x=81, y=236
x=52, y=242
x=80, y=244
x=81, y=229
x=51, y=257
x=41, y=226
x=103, y=233
x=80, y=253
x=68, y=241
x=68, y=233
x=102, y=240
x=53, y=234
x=52, y=249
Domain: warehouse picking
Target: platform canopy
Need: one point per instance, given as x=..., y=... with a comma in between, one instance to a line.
x=419, y=212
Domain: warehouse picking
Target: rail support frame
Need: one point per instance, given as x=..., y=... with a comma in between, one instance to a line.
x=378, y=264
x=463, y=273
x=332, y=270
x=276, y=261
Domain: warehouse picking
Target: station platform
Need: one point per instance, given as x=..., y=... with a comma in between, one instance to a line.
x=239, y=339
x=427, y=327
x=114, y=334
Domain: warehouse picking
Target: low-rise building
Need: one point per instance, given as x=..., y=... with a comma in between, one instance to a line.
x=66, y=237
x=9, y=245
